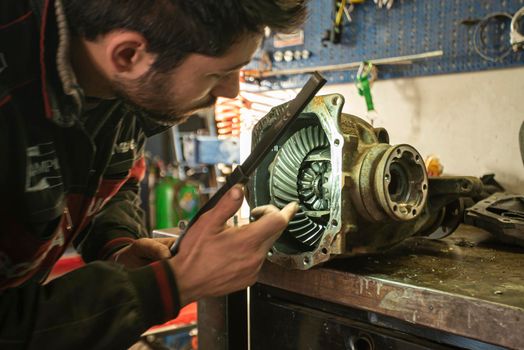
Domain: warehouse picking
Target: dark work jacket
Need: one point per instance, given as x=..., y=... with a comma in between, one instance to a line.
x=69, y=174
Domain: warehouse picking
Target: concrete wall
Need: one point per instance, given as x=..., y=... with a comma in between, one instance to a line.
x=470, y=121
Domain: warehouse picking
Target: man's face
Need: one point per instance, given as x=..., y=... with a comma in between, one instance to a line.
x=193, y=85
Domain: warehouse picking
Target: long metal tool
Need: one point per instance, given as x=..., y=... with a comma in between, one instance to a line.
x=344, y=66
x=242, y=172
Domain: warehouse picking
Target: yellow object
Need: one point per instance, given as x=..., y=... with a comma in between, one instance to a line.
x=433, y=166
x=340, y=12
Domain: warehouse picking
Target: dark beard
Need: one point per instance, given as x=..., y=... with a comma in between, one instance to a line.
x=159, y=107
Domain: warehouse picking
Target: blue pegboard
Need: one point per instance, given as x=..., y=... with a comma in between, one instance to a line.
x=409, y=27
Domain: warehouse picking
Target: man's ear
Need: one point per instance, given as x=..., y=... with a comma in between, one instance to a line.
x=126, y=52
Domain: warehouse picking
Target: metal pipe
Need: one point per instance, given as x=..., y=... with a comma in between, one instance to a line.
x=344, y=66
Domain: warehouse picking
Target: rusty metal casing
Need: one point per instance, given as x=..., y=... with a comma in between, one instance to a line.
x=358, y=194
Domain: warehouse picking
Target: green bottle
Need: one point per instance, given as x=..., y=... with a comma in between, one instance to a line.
x=166, y=215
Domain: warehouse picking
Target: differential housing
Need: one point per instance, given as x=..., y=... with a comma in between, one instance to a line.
x=357, y=193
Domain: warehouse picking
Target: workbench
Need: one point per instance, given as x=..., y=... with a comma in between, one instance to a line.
x=465, y=291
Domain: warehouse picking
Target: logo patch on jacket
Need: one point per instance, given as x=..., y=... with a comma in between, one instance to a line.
x=43, y=169
x=124, y=147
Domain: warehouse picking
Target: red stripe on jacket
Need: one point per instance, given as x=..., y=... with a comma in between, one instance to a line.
x=5, y=100
x=18, y=20
x=47, y=105
x=165, y=290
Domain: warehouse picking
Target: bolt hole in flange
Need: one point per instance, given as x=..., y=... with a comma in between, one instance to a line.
x=465, y=186
x=362, y=342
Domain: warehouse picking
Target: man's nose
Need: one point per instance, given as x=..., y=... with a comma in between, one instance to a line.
x=228, y=87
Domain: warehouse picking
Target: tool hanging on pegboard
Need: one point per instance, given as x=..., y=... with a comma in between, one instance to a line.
x=344, y=8
x=490, y=36
x=516, y=36
x=366, y=75
x=341, y=8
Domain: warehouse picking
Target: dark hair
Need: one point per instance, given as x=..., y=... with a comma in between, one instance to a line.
x=176, y=28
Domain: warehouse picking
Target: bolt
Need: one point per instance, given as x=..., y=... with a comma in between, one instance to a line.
x=278, y=56
x=288, y=56
x=305, y=54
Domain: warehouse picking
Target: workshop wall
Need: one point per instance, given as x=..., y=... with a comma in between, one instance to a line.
x=470, y=121
x=439, y=37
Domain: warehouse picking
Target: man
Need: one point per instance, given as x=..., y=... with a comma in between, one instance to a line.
x=82, y=84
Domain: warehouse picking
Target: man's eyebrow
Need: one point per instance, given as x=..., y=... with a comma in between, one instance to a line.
x=230, y=69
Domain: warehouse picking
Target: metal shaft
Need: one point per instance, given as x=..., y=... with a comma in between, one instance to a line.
x=345, y=66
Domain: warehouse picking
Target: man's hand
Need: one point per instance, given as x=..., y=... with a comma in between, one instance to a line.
x=215, y=259
x=143, y=251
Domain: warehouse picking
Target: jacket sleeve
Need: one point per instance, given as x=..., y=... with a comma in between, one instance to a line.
x=117, y=224
x=121, y=219
x=99, y=306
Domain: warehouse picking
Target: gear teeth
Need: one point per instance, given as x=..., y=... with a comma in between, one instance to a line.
x=284, y=186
